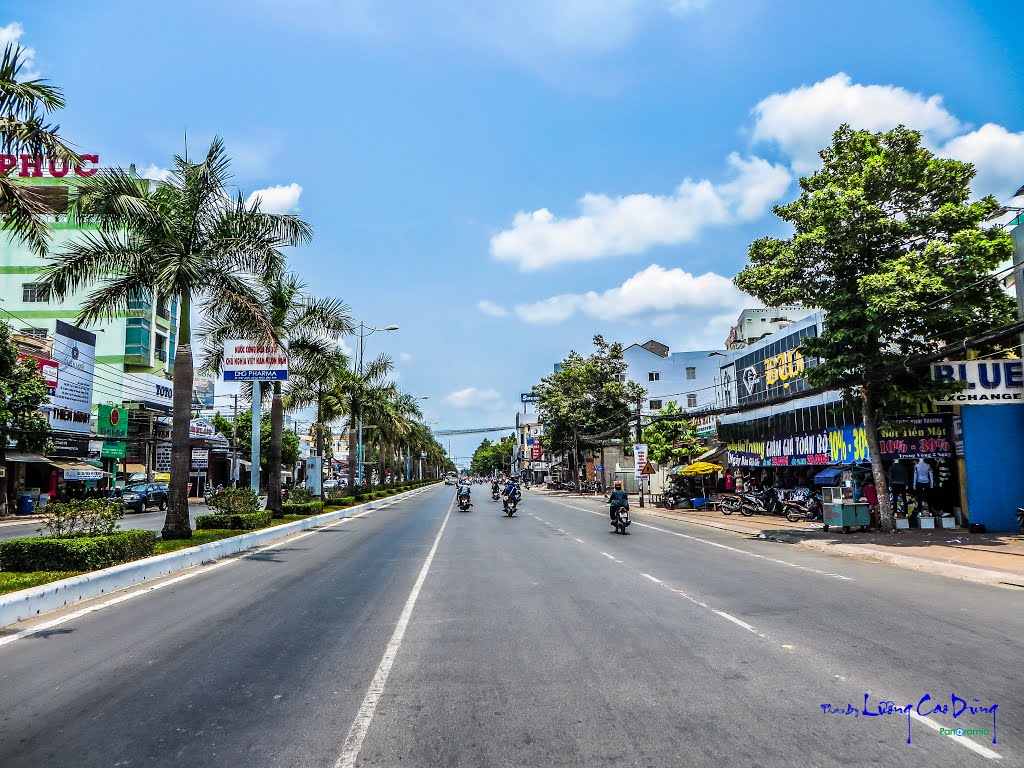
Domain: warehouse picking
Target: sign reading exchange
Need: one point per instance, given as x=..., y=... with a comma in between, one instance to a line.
x=988, y=382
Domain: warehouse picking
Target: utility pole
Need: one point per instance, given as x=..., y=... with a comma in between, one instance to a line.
x=639, y=439
x=234, y=445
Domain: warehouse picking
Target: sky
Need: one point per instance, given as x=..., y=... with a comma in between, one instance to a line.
x=504, y=180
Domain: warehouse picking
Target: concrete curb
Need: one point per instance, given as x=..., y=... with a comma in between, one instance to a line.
x=28, y=603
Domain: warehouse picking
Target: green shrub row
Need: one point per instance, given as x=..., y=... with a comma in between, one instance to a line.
x=249, y=522
x=365, y=490
x=305, y=508
x=80, y=553
x=381, y=493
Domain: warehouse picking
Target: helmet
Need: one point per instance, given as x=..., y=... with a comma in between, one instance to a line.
x=618, y=484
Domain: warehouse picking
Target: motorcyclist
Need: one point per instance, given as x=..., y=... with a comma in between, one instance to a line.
x=464, y=491
x=510, y=493
x=494, y=486
x=618, y=499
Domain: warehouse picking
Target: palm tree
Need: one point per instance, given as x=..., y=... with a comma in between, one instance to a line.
x=366, y=395
x=185, y=239
x=318, y=384
x=23, y=130
x=304, y=326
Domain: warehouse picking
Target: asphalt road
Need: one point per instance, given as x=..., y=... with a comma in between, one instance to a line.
x=152, y=520
x=420, y=636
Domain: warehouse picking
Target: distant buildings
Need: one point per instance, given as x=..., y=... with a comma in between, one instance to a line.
x=754, y=324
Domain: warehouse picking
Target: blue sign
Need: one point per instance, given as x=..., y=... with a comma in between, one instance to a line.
x=256, y=375
x=528, y=397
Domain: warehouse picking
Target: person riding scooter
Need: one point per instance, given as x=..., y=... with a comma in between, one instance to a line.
x=511, y=493
x=618, y=499
x=464, y=492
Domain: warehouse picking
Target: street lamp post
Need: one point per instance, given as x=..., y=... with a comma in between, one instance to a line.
x=364, y=331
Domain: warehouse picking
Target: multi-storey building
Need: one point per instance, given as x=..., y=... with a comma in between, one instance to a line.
x=754, y=324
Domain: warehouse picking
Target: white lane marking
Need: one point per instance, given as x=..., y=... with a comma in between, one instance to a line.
x=734, y=620
x=610, y=557
x=652, y=578
x=962, y=740
x=579, y=540
x=200, y=570
x=720, y=546
x=561, y=530
x=354, y=742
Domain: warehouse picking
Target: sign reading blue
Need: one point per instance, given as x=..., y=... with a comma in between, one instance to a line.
x=985, y=382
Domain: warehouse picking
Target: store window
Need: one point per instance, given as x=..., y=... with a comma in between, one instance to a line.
x=34, y=293
x=691, y=373
x=655, y=405
x=654, y=376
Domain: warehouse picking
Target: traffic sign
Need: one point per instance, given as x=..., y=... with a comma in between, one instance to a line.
x=648, y=469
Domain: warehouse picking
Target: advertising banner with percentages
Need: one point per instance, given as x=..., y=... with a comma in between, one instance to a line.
x=927, y=437
x=249, y=361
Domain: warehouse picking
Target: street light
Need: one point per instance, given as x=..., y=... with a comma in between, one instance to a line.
x=364, y=331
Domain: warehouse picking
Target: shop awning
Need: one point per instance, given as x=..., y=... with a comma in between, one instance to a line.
x=134, y=469
x=715, y=455
x=27, y=458
x=827, y=476
x=78, y=470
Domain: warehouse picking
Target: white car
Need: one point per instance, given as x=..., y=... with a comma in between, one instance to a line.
x=330, y=484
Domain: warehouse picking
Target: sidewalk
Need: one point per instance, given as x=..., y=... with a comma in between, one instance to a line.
x=991, y=558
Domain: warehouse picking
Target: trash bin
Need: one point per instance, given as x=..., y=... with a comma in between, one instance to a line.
x=25, y=505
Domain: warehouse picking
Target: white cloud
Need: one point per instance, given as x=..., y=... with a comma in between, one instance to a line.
x=634, y=223
x=663, y=295
x=801, y=121
x=155, y=172
x=492, y=309
x=404, y=357
x=471, y=397
x=11, y=33
x=279, y=199
x=998, y=155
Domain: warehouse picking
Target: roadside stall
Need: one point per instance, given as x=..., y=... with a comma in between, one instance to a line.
x=701, y=470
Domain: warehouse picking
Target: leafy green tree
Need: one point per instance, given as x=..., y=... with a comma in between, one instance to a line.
x=24, y=105
x=888, y=242
x=318, y=384
x=303, y=325
x=672, y=441
x=492, y=457
x=22, y=394
x=185, y=239
x=587, y=395
x=289, y=440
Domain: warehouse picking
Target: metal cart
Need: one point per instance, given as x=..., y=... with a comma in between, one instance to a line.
x=843, y=512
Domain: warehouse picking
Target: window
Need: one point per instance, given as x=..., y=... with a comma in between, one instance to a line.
x=691, y=401
x=161, y=348
x=655, y=405
x=654, y=376
x=136, y=337
x=621, y=378
x=33, y=333
x=691, y=374
x=34, y=293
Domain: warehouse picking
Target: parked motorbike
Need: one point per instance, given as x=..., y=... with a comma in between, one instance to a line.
x=764, y=502
x=730, y=504
x=620, y=519
x=672, y=497
x=807, y=508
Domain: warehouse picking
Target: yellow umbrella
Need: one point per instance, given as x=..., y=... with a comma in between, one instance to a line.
x=700, y=468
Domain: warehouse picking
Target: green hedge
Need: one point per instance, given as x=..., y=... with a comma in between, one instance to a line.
x=307, y=508
x=77, y=553
x=248, y=522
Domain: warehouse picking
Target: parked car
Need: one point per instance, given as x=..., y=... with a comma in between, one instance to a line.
x=137, y=498
x=330, y=485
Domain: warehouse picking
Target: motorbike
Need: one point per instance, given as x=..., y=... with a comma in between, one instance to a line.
x=807, y=508
x=512, y=505
x=494, y=494
x=672, y=497
x=730, y=504
x=764, y=502
x=621, y=519
x=464, y=503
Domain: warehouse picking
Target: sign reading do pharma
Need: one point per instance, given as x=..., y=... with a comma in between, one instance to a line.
x=251, y=361
x=988, y=382
x=74, y=350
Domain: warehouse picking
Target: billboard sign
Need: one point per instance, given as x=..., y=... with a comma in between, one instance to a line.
x=528, y=398
x=146, y=391
x=112, y=421
x=74, y=350
x=639, y=460
x=796, y=450
x=920, y=437
x=114, y=449
x=774, y=370
x=251, y=361
x=202, y=392
x=987, y=382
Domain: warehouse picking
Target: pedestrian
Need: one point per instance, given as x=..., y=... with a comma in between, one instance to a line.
x=898, y=480
x=730, y=482
x=870, y=494
x=924, y=481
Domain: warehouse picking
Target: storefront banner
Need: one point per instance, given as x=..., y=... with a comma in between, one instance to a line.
x=775, y=370
x=639, y=460
x=201, y=428
x=246, y=360
x=114, y=449
x=112, y=421
x=83, y=474
x=988, y=382
x=69, y=446
x=200, y=458
x=148, y=392
x=74, y=350
x=802, y=449
x=537, y=452
x=927, y=437
x=48, y=369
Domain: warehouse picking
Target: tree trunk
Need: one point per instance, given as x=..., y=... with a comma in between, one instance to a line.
x=353, y=446
x=877, y=470
x=274, y=457
x=3, y=477
x=176, y=523
x=576, y=459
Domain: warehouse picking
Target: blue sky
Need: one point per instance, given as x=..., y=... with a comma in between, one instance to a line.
x=505, y=181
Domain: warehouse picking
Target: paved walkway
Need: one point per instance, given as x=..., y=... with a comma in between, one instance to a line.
x=992, y=557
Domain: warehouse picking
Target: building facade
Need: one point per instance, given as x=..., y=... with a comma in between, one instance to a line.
x=687, y=378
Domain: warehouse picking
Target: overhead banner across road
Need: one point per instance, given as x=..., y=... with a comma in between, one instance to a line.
x=249, y=361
